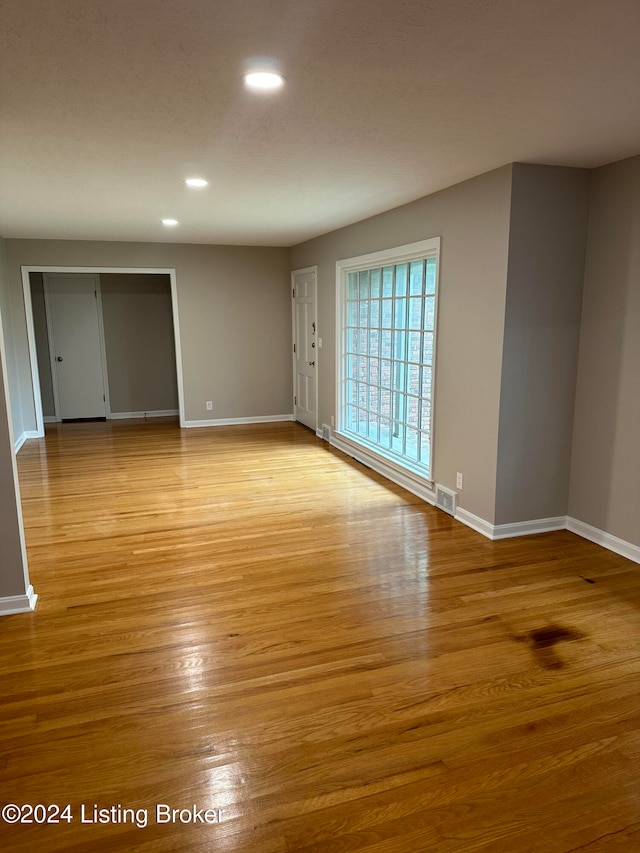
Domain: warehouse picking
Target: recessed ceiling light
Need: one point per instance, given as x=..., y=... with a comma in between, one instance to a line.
x=196, y=182
x=170, y=223
x=263, y=80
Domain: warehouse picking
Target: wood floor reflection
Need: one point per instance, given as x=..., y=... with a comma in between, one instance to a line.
x=242, y=619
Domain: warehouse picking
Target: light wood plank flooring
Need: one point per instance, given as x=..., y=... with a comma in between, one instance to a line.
x=243, y=619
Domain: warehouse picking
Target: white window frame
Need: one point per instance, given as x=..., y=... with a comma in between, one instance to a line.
x=365, y=450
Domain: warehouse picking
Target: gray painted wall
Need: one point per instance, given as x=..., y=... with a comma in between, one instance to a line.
x=6, y=315
x=13, y=561
x=12, y=558
x=139, y=342
x=472, y=219
x=605, y=467
x=234, y=314
x=547, y=243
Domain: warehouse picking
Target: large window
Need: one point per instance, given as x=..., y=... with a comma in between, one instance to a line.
x=386, y=348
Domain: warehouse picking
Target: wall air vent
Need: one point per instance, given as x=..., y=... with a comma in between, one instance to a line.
x=446, y=499
x=326, y=433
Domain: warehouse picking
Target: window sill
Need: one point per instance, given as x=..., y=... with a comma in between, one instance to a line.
x=413, y=481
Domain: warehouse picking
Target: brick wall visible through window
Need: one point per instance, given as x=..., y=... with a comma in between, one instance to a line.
x=387, y=358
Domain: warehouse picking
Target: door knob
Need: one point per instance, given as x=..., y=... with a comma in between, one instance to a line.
x=59, y=358
x=312, y=364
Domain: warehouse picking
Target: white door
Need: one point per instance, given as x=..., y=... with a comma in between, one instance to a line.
x=305, y=347
x=76, y=345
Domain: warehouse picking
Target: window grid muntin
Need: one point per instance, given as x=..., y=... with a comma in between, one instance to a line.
x=366, y=414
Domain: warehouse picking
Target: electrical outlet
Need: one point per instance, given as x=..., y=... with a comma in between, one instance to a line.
x=333, y=421
x=459, y=480
x=209, y=405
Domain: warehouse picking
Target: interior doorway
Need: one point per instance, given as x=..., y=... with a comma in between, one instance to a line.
x=126, y=345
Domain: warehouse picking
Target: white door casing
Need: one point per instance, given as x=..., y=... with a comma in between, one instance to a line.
x=76, y=344
x=305, y=347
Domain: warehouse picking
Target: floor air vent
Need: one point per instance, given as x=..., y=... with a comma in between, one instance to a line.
x=446, y=499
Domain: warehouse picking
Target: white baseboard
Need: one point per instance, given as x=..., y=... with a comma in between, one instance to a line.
x=259, y=419
x=159, y=413
x=494, y=532
x=49, y=419
x=480, y=525
x=26, y=603
x=475, y=522
x=24, y=436
x=545, y=525
x=526, y=528
x=411, y=482
x=607, y=540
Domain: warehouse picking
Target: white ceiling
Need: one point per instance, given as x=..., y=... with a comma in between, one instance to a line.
x=107, y=105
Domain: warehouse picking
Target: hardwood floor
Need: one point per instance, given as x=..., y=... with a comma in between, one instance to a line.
x=242, y=619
